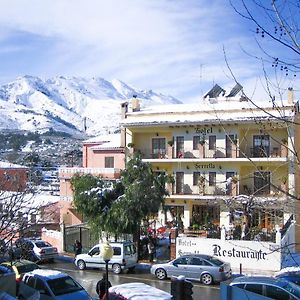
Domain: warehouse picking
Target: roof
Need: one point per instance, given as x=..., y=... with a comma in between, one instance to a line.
x=260, y=279
x=105, y=141
x=206, y=112
x=139, y=290
x=8, y=165
x=50, y=274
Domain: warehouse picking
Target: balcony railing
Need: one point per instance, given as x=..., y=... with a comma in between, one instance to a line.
x=205, y=152
x=233, y=189
x=105, y=172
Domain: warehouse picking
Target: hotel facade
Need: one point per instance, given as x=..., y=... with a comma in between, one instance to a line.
x=227, y=157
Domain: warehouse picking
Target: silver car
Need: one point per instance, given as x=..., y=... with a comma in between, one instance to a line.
x=205, y=268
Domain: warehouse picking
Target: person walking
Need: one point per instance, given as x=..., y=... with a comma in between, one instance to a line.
x=151, y=250
x=77, y=247
x=101, y=286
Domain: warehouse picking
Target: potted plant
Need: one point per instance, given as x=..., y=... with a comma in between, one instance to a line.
x=130, y=145
x=202, y=141
x=234, y=179
x=171, y=143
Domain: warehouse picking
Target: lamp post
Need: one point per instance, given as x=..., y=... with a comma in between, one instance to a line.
x=106, y=253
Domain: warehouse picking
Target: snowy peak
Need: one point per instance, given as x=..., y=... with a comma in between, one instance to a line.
x=69, y=104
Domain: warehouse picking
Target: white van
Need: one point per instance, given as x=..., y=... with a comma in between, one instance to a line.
x=124, y=257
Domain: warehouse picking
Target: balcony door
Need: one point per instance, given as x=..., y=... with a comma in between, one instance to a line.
x=262, y=183
x=261, y=145
x=229, y=186
x=158, y=147
x=179, y=146
x=179, y=182
x=229, y=139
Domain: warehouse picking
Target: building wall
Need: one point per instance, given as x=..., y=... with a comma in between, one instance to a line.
x=243, y=160
x=13, y=179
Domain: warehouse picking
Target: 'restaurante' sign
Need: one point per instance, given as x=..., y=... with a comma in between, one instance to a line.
x=252, y=255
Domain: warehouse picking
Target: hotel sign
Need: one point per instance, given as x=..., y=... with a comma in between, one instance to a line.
x=205, y=166
x=204, y=130
x=250, y=254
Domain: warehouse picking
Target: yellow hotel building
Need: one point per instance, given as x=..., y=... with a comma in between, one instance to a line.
x=229, y=157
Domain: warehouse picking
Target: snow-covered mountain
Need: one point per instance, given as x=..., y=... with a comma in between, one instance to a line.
x=66, y=104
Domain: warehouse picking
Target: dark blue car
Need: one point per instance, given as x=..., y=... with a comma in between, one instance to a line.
x=292, y=275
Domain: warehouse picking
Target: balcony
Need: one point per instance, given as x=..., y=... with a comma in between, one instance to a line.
x=233, y=189
x=204, y=153
x=109, y=173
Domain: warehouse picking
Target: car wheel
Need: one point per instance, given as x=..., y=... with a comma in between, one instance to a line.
x=206, y=279
x=116, y=268
x=161, y=274
x=81, y=265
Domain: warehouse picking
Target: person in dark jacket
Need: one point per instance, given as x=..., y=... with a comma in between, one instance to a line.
x=77, y=248
x=101, y=286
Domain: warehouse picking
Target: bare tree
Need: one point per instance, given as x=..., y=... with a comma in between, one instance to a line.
x=275, y=23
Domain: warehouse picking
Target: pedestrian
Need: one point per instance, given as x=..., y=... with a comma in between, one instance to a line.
x=77, y=247
x=101, y=287
x=151, y=250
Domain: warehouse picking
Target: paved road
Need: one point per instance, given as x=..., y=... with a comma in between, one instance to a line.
x=88, y=279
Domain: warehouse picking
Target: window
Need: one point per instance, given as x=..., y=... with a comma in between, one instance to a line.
x=196, y=176
x=196, y=261
x=255, y=288
x=212, y=142
x=158, y=147
x=262, y=183
x=181, y=261
x=95, y=251
x=40, y=286
x=274, y=292
x=117, y=250
x=109, y=162
x=196, y=141
x=261, y=144
x=212, y=178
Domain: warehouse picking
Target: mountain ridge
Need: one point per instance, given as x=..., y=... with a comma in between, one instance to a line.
x=68, y=104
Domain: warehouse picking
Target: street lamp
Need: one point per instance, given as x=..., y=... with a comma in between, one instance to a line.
x=106, y=253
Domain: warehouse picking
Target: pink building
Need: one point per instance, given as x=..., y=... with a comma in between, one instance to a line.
x=102, y=156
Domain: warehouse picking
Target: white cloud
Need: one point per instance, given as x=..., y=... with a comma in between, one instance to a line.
x=173, y=46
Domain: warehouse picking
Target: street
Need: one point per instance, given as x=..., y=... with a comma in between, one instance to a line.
x=88, y=279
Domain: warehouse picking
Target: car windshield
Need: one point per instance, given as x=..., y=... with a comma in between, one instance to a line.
x=42, y=244
x=293, y=289
x=215, y=261
x=64, y=285
x=27, y=268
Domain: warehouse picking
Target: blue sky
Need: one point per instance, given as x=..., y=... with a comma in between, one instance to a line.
x=171, y=46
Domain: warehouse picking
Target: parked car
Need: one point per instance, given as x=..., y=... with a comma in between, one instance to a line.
x=20, y=267
x=274, y=288
x=205, y=268
x=52, y=285
x=290, y=274
x=36, y=250
x=124, y=257
x=8, y=283
x=137, y=290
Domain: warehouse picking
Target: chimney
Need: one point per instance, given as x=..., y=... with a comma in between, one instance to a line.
x=135, y=103
x=124, y=109
x=290, y=95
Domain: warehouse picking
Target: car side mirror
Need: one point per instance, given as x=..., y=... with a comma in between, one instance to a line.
x=175, y=264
